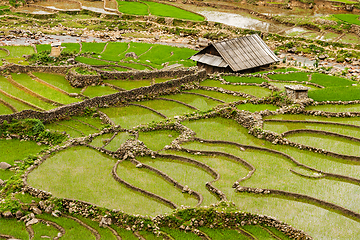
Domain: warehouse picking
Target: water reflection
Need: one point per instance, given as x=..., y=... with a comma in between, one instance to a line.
x=239, y=21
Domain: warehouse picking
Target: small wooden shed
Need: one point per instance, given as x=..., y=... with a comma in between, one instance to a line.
x=296, y=92
x=244, y=54
x=55, y=49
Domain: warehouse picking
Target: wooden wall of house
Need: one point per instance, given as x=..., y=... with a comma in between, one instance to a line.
x=212, y=50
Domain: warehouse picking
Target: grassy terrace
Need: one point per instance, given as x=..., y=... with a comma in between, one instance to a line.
x=200, y=102
x=239, y=135
x=349, y=18
x=131, y=116
x=150, y=56
x=336, y=88
x=43, y=90
x=18, y=93
x=336, y=108
x=167, y=108
x=57, y=81
x=217, y=95
x=156, y=9
x=78, y=164
x=252, y=90
x=100, y=90
x=96, y=48
x=129, y=84
x=84, y=173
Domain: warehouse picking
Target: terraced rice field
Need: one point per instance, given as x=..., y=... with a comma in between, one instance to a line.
x=181, y=145
x=157, y=9
x=150, y=56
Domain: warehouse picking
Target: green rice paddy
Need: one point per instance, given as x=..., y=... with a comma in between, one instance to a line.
x=256, y=107
x=99, y=90
x=133, y=8
x=10, y=89
x=57, y=80
x=335, y=108
x=14, y=149
x=131, y=116
x=252, y=90
x=168, y=108
x=43, y=90
x=79, y=166
x=84, y=174
x=200, y=102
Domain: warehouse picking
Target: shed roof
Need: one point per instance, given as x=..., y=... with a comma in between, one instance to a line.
x=210, y=60
x=242, y=53
x=56, y=44
x=297, y=87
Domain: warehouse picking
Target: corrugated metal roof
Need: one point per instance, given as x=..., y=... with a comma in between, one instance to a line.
x=245, y=52
x=240, y=53
x=209, y=59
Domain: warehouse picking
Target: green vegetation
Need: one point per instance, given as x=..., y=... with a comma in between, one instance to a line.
x=187, y=174
x=199, y=102
x=79, y=167
x=349, y=18
x=32, y=128
x=297, y=76
x=222, y=234
x=330, y=81
x=131, y=116
x=57, y=81
x=43, y=90
x=84, y=71
x=70, y=47
x=92, y=47
x=13, y=228
x=133, y=8
x=164, y=137
x=15, y=150
x=256, y=107
x=4, y=109
x=236, y=79
x=99, y=90
x=336, y=108
x=252, y=90
x=129, y=84
x=117, y=141
x=164, y=10
x=92, y=61
x=168, y=108
x=176, y=234
x=73, y=230
x=41, y=229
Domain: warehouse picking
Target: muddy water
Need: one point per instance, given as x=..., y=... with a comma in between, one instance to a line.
x=241, y=21
x=61, y=6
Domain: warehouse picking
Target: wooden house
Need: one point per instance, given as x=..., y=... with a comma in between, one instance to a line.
x=244, y=54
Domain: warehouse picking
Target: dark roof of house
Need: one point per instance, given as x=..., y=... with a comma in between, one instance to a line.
x=239, y=53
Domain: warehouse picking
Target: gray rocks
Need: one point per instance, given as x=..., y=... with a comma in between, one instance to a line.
x=105, y=222
x=36, y=210
x=19, y=214
x=4, y=165
x=7, y=214
x=131, y=55
x=31, y=222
